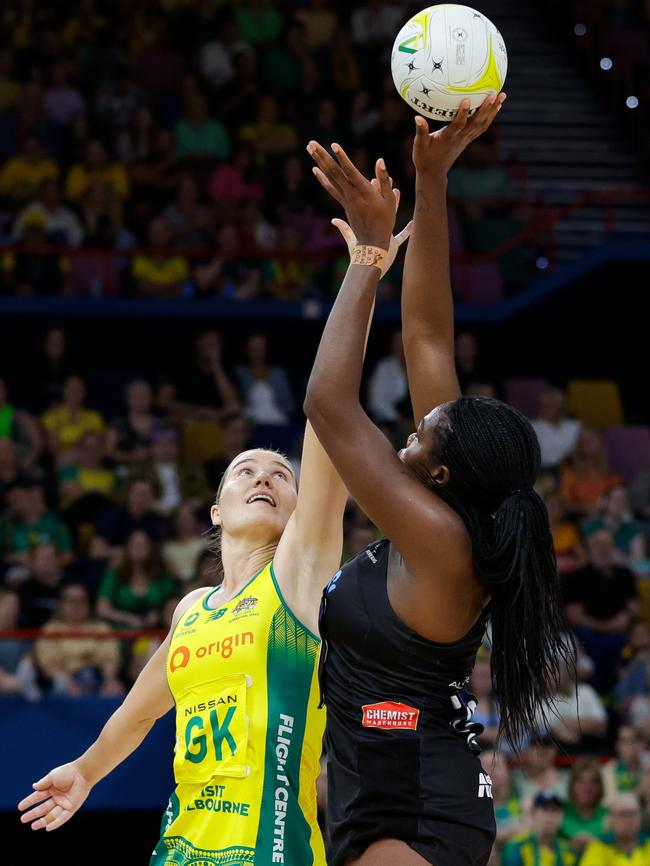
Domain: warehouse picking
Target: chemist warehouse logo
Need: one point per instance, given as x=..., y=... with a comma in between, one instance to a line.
x=223, y=648
x=390, y=716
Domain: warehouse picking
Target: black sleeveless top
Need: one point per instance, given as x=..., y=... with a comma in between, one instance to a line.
x=402, y=750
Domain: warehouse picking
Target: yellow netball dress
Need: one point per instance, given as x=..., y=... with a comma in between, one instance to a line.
x=248, y=734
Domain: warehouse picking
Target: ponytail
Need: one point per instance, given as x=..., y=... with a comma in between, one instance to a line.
x=490, y=446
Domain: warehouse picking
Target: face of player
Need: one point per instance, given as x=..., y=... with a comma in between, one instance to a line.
x=257, y=498
x=422, y=446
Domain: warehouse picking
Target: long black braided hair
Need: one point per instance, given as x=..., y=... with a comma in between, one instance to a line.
x=493, y=458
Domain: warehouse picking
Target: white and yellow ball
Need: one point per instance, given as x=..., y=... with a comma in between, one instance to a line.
x=446, y=54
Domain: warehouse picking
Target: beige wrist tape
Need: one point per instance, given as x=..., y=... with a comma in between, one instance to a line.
x=363, y=254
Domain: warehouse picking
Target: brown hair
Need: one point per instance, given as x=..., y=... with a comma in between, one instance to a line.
x=581, y=767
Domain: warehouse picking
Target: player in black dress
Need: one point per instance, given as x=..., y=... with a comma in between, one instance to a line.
x=467, y=539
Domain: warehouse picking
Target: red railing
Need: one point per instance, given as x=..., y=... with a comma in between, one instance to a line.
x=113, y=634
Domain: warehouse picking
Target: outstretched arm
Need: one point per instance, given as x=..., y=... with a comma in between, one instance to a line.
x=427, y=303
x=62, y=791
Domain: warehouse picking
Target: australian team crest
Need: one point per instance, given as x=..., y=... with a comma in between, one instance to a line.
x=247, y=603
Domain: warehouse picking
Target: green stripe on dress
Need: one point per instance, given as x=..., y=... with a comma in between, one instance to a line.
x=284, y=835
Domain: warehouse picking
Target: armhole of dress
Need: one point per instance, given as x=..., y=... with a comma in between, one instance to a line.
x=288, y=608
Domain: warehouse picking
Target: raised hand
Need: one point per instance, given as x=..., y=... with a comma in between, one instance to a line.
x=436, y=152
x=57, y=796
x=370, y=207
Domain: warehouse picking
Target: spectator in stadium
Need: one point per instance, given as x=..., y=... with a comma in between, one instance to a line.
x=508, y=809
x=487, y=712
x=266, y=390
x=236, y=438
x=131, y=595
x=388, y=397
x=96, y=168
x=375, y=22
x=268, y=135
x=588, y=477
x=85, y=488
x=138, y=514
x=189, y=221
x=538, y=771
x=78, y=665
x=102, y=217
x=601, y=603
x=135, y=142
x=584, y=813
x=557, y=434
x=236, y=181
x=197, y=136
x=22, y=176
x=634, y=679
x=615, y=515
x=578, y=719
x=159, y=272
x=129, y=437
x=468, y=366
x=61, y=225
x=40, y=590
x=32, y=524
x=51, y=368
x=639, y=492
x=177, y=480
x=643, y=794
x=18, y=427
x=543, y=843
x=9, y=470
x=622, y=774
x=216, y=56
x=258, y=21
x=62, y=102
x=26, y=273
x=13, y=651
x=479, y=185
x=319, y=23
x=181, y=552
x=569, y=551
x=343, y=65
x=66, y=423
x=287, y=276
x=154, y=180
x=628, y=845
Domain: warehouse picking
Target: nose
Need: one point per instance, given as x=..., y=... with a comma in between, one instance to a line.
x=263, y=478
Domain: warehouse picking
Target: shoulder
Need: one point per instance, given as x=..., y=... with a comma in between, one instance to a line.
x=187, y=601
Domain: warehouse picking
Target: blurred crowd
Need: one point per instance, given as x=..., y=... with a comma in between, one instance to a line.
x=159, y=146
x=104, y=526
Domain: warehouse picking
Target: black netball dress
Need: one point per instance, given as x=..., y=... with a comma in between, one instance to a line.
x=400, y=738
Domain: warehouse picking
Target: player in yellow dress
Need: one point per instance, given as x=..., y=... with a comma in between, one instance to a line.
x=240, y=666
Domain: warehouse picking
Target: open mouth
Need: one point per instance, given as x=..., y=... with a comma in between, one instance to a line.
x=261, y=497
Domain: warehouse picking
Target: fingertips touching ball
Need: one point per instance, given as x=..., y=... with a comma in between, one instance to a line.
x=445, y=54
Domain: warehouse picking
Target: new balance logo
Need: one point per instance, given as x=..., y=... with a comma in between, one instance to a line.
x=484, y=785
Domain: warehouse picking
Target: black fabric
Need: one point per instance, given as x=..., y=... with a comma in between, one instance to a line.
x=602, y=594
x=421, y=784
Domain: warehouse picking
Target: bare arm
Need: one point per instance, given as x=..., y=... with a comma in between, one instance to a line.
x=427, y=303
x=60, y=793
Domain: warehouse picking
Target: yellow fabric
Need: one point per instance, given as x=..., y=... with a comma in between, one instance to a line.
x=160, y=272
x=69, y=430
x=202, y=440
x=72, y=654
x=596, y=403
x=248, y=733
x=22, y=179
x=79, y=179
x=604, y=854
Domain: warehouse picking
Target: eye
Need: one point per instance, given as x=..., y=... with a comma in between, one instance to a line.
x=281, y=474
x=245, y=470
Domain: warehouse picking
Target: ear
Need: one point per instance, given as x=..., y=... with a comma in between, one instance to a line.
x=441, y=476
x=215, y=515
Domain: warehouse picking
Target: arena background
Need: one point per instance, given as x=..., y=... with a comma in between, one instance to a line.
x=154, y=187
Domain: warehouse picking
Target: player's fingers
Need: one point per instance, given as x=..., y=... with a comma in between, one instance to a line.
x=60, y=819
x=459, y=122
x=326, y=164
x=381, y=173
x=348, y=235
x=47, y=820
x=38, y=811
x=333, y=189
x=349, y=169
x=43, y=783
x=405, y=233
x=62, y=799
x=421, y=127
x=32, y=799
x=398, y=196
